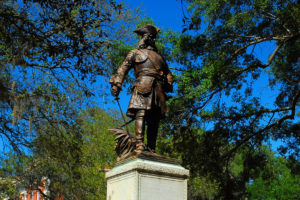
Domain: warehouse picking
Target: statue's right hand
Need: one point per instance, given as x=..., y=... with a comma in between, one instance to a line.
x=115, y=90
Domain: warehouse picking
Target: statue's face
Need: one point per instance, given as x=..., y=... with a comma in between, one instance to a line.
x=149, y=39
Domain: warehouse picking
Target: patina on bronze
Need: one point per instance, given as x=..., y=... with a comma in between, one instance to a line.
x=148, y=101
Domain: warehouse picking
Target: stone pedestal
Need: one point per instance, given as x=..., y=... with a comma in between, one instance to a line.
x=141, y=179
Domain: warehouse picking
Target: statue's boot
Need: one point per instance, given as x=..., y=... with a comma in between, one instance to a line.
x=152, y=130
x=139, y=130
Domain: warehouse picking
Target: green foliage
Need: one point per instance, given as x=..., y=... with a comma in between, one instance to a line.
x=11, y=168
x=218, y=119
x=230, y=99
x=8, y=189
x=276, y=181
x=97, y=152
x=56, y=159
x=72, y=159
x=50, y=51
x=203, y=187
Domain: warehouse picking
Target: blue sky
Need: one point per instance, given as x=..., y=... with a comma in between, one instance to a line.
x=165, y=13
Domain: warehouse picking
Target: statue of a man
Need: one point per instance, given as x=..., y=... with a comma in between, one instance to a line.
x=153, y=78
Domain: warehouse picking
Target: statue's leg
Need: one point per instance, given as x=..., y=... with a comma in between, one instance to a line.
x=152, y=129
x=140, y=129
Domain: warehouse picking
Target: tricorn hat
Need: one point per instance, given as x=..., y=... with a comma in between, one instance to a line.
x=147, y=29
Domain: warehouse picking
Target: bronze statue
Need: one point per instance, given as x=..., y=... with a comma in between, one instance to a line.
x=148, y=101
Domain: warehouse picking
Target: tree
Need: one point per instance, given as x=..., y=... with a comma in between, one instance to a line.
x=71, y=151
x=50, y=51
x=10, y=167
x=276, y=181
x=51, y=54
x=218, y=111
x=227, y=53
x=97, y=151
x=73, y=160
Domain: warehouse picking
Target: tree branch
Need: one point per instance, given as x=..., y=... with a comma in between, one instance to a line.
x=239, y=73
x=276, y=123
x=260, y=112
x=258, y=40
x=180, y=70
x=272, y=56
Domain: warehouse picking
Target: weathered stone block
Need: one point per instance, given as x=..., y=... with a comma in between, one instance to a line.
x=140, y=179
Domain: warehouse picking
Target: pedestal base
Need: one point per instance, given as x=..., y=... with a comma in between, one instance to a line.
x=140, y=179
